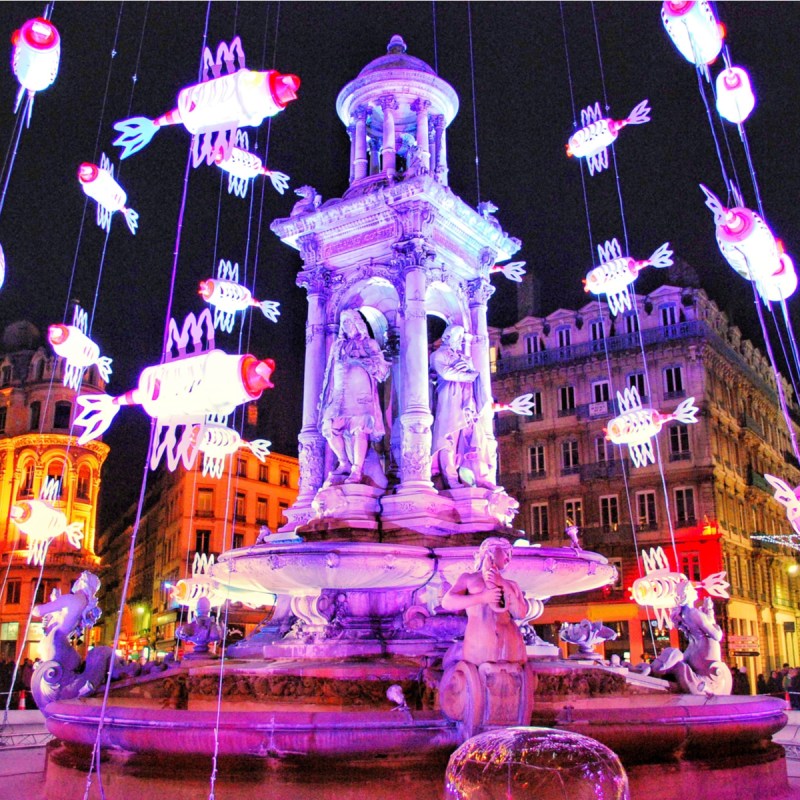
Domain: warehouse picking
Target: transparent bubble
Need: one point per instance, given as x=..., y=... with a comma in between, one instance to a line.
x=534, y=764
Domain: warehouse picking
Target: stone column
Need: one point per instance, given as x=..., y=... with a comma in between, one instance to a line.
x=440, y=170
x=311, y=443
x=480, y=290
x=374, y=157
x=360, y=146
x=421, y=107
x=388, y=150
x=351, y=133
x=415, y=413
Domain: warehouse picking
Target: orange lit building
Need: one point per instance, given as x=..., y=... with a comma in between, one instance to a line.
x=36, y=413
x=185, y=514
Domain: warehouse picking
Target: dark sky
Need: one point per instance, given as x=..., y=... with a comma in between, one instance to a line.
x=524, y=117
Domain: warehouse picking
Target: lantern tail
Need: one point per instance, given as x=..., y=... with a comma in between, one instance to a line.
x=136, y=134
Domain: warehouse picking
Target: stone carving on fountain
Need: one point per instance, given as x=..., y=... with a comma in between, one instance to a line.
x=700, y=669
x=62, y=674
x=202, y=631
x=586, y=634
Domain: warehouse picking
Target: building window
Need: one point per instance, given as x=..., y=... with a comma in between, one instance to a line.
x=62, y=414
x=282, y=508
x=205, y=502
x=241, y=468
x=202, y=541
x=690, y=565
x=597, y=330
x=673, y=382
x=536, y=460
x=84, y=483
x=616, y=562
x=239, y=507
x=646, y=511
x=55, y=477
x=3, y=416
x=45, y=591
x=5, y=375
x=252, y=414
x=540, y=530
x=609, y=513
x=684, y=506
x=573, y=512
x=636, y=380
x=601, y=391
x=566, y=400
x=263, y=475
x=36, y=413
x=631, y=323
x=679, y=442
x=26, y=487
x=13, y=589
x=284, y=479
x=238, y=540
x=669, y=316
x=564, y=337
x=536, y=406
x=570, y=463
x=604, y=450
x=533, y=344
x=261, y=510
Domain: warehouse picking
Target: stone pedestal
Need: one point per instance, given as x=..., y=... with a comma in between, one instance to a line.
x=348, y=503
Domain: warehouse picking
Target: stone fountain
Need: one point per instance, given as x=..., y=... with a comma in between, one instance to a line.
x=398, y=489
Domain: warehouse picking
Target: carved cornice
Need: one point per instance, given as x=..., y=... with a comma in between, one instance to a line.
x=318, y=280
x=479, y=291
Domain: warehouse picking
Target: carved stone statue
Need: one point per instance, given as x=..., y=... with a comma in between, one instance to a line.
x=309, y=201
x=586, y=635
x=700, y=670
x=459, y=449
x=202, y=631
x=350, y=412
x=59, y=676
x=492, y=602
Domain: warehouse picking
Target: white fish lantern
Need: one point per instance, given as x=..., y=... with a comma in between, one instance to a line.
x=694, y=30
x=35, y=58
x=789, y=498
x=216, y=108
x=735, y=98
x=99, y=184
x=598, y=133
x=749, y=246
x=216, y=441
x=42, y=523
x=80, y=352
x=243, y=166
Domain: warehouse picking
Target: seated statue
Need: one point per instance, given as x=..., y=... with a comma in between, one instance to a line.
x=350, y=412
x=700, y=670
x=492, y=602
x=202, y=631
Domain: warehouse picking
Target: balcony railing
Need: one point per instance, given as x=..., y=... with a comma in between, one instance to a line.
x=759, y=481
x=614, y=344
x=752, y=425
x=571, y=470
x=684, y=455
x=602, y=470
x=538, y=475
x=204, y=512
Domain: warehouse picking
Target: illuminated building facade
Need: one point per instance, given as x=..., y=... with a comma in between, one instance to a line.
x=36, y=413
x=709, y=486
x=184, y=514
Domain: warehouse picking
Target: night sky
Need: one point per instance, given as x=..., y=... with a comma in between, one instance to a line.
x=524, y=114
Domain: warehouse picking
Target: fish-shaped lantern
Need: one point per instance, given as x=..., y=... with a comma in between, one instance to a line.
x=694, y=30
x=659, y=586
x=617, y=272
x=514, y=270
x=42, y=523
x=598, y=132
x=214, y=109
x=749, y=246
x=99, y=184
x=787, y=497
x=522, y=404
x=80, y=352
x=735, y=98
x=228, y=296
x=185, y=390
x=34, y=59
x=636, y=426
x=187, y=591
x=242, y=166
x=216, y=441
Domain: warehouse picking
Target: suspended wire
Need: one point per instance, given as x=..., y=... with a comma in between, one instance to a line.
x=95, y=762
x=474, y=103
x=435, y=39
x=16, y=138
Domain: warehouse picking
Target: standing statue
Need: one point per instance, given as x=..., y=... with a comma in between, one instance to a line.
x=492, y=602
x=460, y=451
x=700, y=670
x=350, y=412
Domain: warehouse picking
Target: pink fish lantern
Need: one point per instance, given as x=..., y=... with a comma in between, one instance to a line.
x=735, y=98
x=35, y=58
x=694, y=30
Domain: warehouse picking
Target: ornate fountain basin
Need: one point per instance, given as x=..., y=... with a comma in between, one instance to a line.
x=541, y=572
x=308, y=567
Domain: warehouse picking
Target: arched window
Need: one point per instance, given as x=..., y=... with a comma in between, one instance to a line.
x=36, y=413
x=84, y=483
x=56, y=472
x=26, y=484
